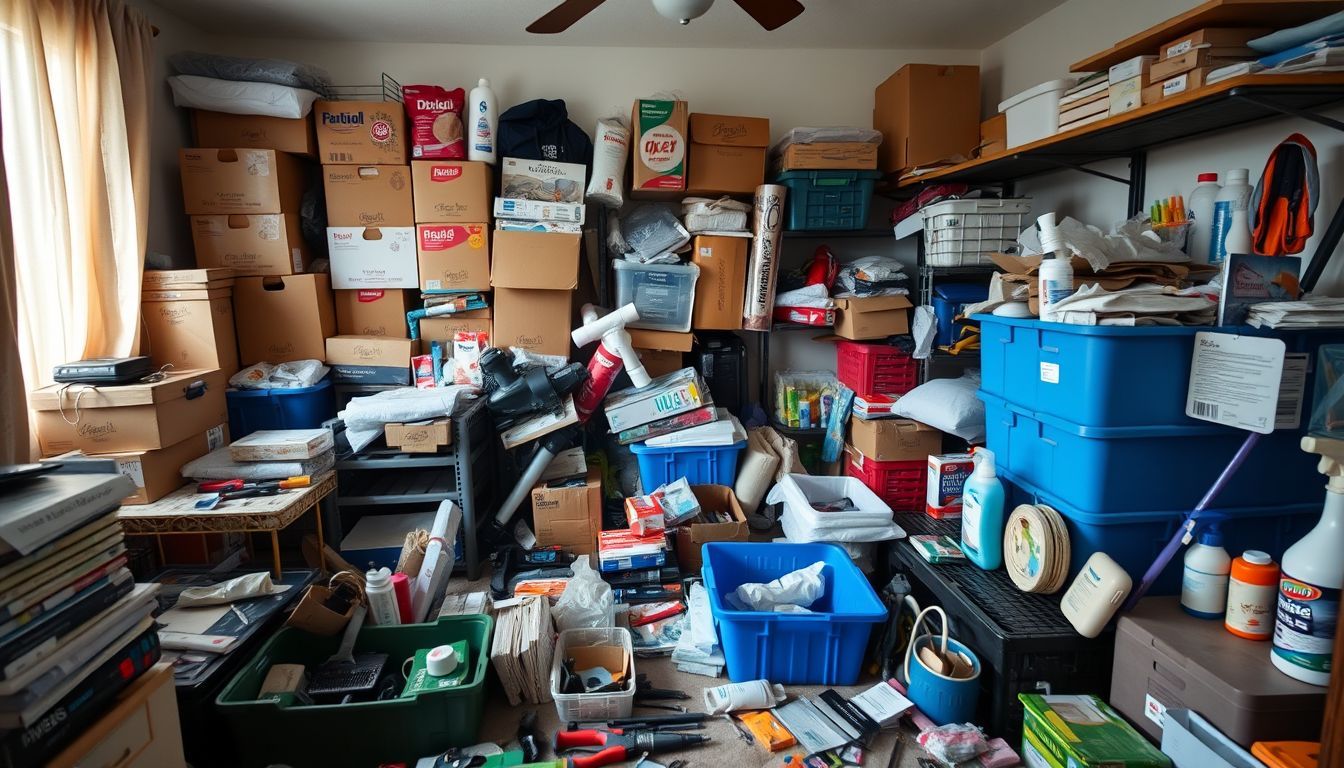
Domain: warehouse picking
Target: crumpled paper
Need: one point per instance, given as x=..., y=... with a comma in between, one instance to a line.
x=794, y=592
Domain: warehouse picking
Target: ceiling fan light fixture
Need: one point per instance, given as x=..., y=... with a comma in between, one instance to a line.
x=682, y=11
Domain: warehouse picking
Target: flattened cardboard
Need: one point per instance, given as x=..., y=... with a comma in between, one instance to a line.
x=280, y=319
x=927, y=113
x=372, y=257
x=894, y=439
x=223, y=181
x=841, y=155
x=419, y=438
x=191, y=334
x=537, y=260
x=158, y=473
x=363, y=132
x=610, y=657
x=670, y=341
x=872, y=318
x=368, y=195
x=569, y=517
x=690, y=538
x=534, y=320
x=251, y=244
x=453, y=257
x=722, y=285
x=370, y=359
x=283, y=134
x=442, y=328
x=451, y=191
x=373, y=312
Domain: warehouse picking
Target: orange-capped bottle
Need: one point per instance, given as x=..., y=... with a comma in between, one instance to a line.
x=1251, y=594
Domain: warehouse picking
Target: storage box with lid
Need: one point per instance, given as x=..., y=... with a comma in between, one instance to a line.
x=251, y=410
x=961, y=233
x=664, y=294
x=1034, y=113
x=825, y=200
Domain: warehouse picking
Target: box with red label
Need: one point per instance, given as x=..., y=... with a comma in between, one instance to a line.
x=442, y=328
x=644, y=514
x=445, y=191
x=436, y=127
x=373, y=312
x=372, y=257
x=453, y=257
x=947, y=477
x=658, y=147
x=349, y=132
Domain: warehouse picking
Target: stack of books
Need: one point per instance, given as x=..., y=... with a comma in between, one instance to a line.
x=1084, y=103
x=75, y=628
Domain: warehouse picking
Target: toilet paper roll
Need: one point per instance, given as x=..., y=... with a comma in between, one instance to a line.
x=767, y=222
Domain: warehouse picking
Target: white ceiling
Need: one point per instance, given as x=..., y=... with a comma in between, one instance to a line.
x=879, y=24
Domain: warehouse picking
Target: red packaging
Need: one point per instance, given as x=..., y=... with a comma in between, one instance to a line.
x=435, y=115
x=645, y=515
x=401, y=589
x=603, y=369
x=805, y=316
x=422, y=367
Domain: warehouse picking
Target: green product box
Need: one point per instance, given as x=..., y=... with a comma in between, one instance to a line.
x=1082, y=732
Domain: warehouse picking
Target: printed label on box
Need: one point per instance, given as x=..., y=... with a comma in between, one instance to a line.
x=133, y=469
x=1050, y=373
x=1175, y=85
x=214, y=437
x=1153, y=710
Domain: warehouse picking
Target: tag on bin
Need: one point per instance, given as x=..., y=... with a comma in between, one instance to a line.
x=1234, y=380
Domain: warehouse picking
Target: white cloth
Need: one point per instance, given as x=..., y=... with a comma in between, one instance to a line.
x=1140, y=304
x=807, y=296
x=241, y=98
x=365, y=417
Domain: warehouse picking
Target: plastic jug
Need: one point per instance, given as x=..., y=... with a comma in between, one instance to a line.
x=982, y=519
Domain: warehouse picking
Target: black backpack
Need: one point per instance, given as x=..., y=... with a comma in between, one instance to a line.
x=541, y=130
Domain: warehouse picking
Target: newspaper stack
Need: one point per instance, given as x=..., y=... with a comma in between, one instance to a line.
x=1314, y=312
x=523, y=648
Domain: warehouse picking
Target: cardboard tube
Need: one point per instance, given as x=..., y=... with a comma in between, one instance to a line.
x=767, y=220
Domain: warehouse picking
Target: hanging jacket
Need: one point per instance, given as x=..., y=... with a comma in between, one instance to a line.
x=1283, y=205
x=541, y=130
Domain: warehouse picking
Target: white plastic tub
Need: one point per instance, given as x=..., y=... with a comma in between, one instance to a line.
x=871, y=521
x=593, y=707
x=1034, y=113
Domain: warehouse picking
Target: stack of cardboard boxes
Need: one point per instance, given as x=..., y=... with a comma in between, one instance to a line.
x=452, y=231
x=1183, y=63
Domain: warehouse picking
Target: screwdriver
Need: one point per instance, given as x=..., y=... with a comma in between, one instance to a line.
x=618, y=746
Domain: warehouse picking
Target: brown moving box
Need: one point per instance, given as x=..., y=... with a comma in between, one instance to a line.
x=1182, y=83
x=927, y=113
x=133, y=417
x=727, y=154
x=370, y=359
x=419, y=438
x=251, y=244
x=221, y=181
x=1228, y=39
x=283, y=134
x=672, y=341
x=373, y=312
x=451, y=191
x=658, y=148
x=191, y=333
x=1192, y=59
x=894, y=439
x=660, y=362
x=280, y=319
x=690, y=538
x=453, y=257
x=994, y=135
x=360, y=132
x=535, y=320
x=872, y=318
x=158, y=473
x=839, y=155
x=722, y=286
x=569, y=517
x=442, y=328
x=540, y=260
x=168, y=279
x=368, y=195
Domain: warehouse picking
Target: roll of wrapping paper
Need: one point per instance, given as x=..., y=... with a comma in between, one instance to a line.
x=767, y=221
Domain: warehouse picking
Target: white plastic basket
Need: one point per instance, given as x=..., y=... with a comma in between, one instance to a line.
x=961, y=233
x=577, y=707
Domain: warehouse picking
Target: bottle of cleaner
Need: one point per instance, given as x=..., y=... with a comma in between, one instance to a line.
x=982, y=513
x=1252, y=591
x=1200, y=207
x=382, y=601
x=482, y=121
x=1204, y=585
x=1229, y=236
x=1313, y=574
x=1056, y=274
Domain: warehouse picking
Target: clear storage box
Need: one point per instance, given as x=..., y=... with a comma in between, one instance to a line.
x=663, y=293
x=593, y=707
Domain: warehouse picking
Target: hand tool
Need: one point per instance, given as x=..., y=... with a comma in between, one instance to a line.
x=238, y=484
x=616, y=745
x=644, y=691
x=642, y=722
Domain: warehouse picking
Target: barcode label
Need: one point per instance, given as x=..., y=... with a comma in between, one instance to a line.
x=1205, y=410
x=1292, y=389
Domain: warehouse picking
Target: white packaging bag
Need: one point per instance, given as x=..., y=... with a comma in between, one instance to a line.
x=871, y=521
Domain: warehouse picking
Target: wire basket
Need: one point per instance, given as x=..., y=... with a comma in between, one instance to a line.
x=962, y=233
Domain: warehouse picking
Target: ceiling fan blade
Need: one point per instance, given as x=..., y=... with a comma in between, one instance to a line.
x=771, y=14
x=562, y=16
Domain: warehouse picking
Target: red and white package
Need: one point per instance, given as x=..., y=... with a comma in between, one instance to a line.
x=467, y=349
x=423, y=368
x=435, y=115
x=644, y=514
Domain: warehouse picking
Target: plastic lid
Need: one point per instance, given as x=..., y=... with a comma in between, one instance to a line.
x=1238, y=174
x=1203, y=177
x=377, y=577
x=1256, y=557
x=1211, y=538
x=482, y=83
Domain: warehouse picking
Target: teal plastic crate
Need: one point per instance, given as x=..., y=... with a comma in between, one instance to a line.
x=827, y=199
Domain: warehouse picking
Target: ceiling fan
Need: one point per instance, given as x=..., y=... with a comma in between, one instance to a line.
x=770, y=14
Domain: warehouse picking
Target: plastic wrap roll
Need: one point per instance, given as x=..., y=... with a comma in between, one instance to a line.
x=767, y=220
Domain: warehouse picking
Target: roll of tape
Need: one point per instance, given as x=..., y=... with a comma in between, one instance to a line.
x=442, y=660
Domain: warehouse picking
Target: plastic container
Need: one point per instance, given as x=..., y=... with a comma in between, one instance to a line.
x=962, y=233
x=982, y=513
x=1034, y=113
x=1189, y=739
x=579, y=707
x=825, y=647
x=270, y=731
x=875, y=368
x=382, y=602
x=1231, y=232
x=1095, y=594
x=949, y=299
x=1055, y=278
x=944, y=699
x=901, y=484
x=251, y=410
x=1204, y=579
x=700, y=465
x=1200, y=206
x=482, y=123
x=827, y=199
x=1313, y=575
x=663, y=293
x=1252, y=595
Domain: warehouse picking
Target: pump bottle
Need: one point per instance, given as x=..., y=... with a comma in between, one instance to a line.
x=1056, y=274
x=982, y=513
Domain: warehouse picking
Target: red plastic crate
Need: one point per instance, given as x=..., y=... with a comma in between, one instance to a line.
x=875, y=368
x=900, y=484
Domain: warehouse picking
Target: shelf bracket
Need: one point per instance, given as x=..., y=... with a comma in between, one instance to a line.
x=1081, y=169
x=1305, y=114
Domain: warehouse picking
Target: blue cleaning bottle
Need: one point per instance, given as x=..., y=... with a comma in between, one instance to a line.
x=982, y=513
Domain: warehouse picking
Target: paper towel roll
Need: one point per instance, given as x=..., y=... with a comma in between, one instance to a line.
x=767, y=220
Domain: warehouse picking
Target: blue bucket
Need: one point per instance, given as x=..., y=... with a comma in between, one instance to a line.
x=944, y=699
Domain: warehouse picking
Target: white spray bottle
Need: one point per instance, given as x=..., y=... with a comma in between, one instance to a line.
x=1056, y=274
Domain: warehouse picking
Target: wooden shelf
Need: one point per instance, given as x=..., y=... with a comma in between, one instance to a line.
x=1227, y=104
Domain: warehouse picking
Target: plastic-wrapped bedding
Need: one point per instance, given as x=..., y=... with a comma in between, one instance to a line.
x=219, y=465
x=826, y=136
x=273, y=71
x=365, y=417
x=241, y=98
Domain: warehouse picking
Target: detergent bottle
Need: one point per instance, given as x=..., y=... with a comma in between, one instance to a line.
x=982, y=513
x=1200, y=238
x=1207, y=569
x=482, y=123
x=1056, y=274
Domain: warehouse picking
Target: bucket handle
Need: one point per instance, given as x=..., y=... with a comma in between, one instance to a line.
x=915, y=636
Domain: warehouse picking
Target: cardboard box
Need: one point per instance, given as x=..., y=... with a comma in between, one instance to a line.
x=660, y=362
x=1198, y=58
x=569, y=517
x=1139, y=66
x=534, y=320
x=158, y=473
x=280, y=319
x=370, y=359
x=167, y=279
x=442, y=328
x=453, y=257
x=1182, y=83
x=872, y=318
x=894, y=439
x=191, y=334
x=537, y=211
x=1217, y=38
x=360, y=132
x=690, y=538
x=1126, y=96
x=451, y=191
x=368, y=195
x=539, y=260
x=994, y=135
x=727, y=154
x=373, y=312
x=545, y=180
x=658, y=148
x=251, y=244
x=372, y=257
x=222, y=181
x=133, y=417
x=422, y=437
x=927, y=113
x=722, y=285
x=282, y=445
x=839, y=155
x=670, y=341
x=283, y=134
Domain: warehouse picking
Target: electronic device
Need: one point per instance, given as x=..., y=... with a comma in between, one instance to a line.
x=104, y=370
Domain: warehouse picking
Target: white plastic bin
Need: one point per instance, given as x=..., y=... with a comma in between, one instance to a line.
x=1034, y=113
x=573, y=707
x=664, y=294
x=962, y=233
x=803, y=523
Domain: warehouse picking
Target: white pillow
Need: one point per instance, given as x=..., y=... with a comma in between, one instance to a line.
x=947, y=404
x=240, y=98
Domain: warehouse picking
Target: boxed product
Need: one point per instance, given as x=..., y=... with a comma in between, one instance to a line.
x=927, y=113
x=376, y=541
x=420, y=436
x=528, y=225
x=540, y=260
x=435, y=116
x=569, y=515
x=894, y=439
x=727, y=154
x=1137, y=66
x=947, y=479
x=536, y=320
x=157, y=473
x=1127, y=81
x=222, y=181
x=714, y=500
x=280, y=319
x=658, y=147
x=283, y=134
x=669, y=395
x=453, y=257
x=535, y=210
x=1224, y=41
x=368, y=195
x=1182, y=83
x=545, y=180
x=372, y=257
x=370, y=359
x=360, y=132
x=132, y=417
x=644, y=514
x=251, y=244
x=442, y=327
x=281, y=445
x=722, y=285
x=191, y=333
x=373, y=312
x=875, y=317
x=1082, y=732
x=451, y=191
x=829, y=156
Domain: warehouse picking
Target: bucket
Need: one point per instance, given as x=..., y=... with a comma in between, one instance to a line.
x=944, y=699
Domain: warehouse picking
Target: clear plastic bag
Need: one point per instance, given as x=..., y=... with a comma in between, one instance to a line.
x=649, y=231
x=871, y=276
x=952, y=744
x=586, y=602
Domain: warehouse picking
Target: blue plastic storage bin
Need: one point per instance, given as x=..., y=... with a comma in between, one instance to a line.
x=825, y=647
x=251, y=410
x=948, y=301
x=700, y=465
x=827, y=199
x=1134, y=539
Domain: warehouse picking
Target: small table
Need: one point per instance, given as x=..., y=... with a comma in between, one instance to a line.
x=176, y=514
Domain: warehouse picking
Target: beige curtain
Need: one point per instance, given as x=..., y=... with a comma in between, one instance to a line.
x=75, y=103
x=15, y=442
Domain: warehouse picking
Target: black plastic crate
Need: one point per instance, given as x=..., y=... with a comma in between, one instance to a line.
x=1024, y=642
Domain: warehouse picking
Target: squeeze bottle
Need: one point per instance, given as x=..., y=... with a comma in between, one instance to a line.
x=1252, y=592
x=1204, y=584
x=1056, y=274
x=482, y=122
x=982, y=513
x=1200, y=236
x=1231, y=233
x=382, y=601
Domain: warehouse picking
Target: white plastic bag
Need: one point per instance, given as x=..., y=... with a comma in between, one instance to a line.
x=586, y=602
x=869, y=521
x=241, y=588
x=611, y=146
x=793, y=591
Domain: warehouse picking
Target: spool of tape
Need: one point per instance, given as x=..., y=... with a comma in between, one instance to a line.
x=442, y=660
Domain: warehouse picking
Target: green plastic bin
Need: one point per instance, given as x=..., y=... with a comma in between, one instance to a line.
x=272, y=731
